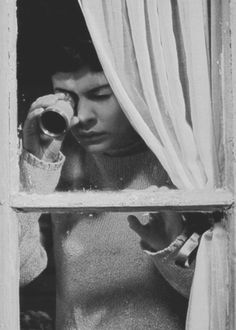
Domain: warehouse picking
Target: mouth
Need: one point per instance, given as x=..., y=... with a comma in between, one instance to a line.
x=91, y=137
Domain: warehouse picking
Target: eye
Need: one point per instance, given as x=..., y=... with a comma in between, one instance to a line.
x=99, y=96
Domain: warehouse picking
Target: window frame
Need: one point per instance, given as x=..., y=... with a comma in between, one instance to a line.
x=11, y=200
x=9, y=275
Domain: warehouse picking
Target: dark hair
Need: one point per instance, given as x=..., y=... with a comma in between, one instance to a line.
x=73, y=56
x=71, y=46
x=53, y=37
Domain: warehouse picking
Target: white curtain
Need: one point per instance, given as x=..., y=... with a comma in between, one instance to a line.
x=155, y=54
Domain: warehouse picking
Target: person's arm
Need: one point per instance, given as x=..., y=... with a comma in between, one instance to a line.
x=162, y=239
x=36, y=177
x=179, y=277
x=33, y=257
x=40, y=167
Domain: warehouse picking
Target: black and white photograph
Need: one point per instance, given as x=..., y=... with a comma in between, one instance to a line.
x=118, y=173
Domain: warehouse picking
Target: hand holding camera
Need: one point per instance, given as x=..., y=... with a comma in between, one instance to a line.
x=48, y=120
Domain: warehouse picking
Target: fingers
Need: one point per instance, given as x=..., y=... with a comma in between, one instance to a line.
x=31, y=129
x=31, y=123
x=74, y=121
x=135, y=224
x=46, y=139
x=65, y=108
x=46, y=101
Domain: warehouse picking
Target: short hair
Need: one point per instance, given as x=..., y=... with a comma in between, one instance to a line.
x=70, y=57
x=53, y=37
x=72, y=47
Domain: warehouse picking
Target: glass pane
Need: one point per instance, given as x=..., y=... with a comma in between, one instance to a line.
x=103, y=278
x=99, y=267
x=103, y=151
x=38, y=285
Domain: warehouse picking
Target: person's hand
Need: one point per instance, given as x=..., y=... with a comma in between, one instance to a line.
x=34, y=140
x=35, y=320
x=160, y=231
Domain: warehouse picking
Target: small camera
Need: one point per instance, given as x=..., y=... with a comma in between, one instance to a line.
x=55, y=120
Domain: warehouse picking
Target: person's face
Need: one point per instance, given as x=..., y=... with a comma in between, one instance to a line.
x=99, y=124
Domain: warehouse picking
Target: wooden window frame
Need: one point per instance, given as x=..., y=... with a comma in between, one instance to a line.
x=12, y=201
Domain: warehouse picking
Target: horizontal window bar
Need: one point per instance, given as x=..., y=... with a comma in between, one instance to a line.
x=123, y=201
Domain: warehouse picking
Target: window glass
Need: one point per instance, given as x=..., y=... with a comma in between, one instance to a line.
x=101, y=262
x=109, y=267
x=83, y=119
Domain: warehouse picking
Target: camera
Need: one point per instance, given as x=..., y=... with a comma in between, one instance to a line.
x=55, y=120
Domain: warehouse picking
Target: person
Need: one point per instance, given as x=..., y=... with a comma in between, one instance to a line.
x=105, y=280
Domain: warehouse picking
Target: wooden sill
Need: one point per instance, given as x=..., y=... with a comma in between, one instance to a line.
x=123, y=201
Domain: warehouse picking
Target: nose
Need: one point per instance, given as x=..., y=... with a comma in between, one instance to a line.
x=86, y=115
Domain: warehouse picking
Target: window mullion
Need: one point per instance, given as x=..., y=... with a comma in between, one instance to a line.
x=9, y=274
x=228, y=73
x=231, y=35
x=126, y=200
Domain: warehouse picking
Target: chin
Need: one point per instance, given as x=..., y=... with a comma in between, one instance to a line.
x=96, y=148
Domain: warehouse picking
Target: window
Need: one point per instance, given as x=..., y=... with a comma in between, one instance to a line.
x=12, y=200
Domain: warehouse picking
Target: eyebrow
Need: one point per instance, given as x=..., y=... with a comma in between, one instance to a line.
x=66, y=91
x=98, y=88
x=92, y=90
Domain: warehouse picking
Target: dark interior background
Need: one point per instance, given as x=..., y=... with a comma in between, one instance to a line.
x=41, y=24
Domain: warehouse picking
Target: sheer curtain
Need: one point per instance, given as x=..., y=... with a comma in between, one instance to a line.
x=155, y=54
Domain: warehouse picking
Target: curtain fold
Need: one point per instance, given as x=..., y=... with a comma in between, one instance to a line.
x=211, y=259
x=155, y=55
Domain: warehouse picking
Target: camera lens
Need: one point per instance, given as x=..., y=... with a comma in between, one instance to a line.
x=53, y=123
x=55, y=120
